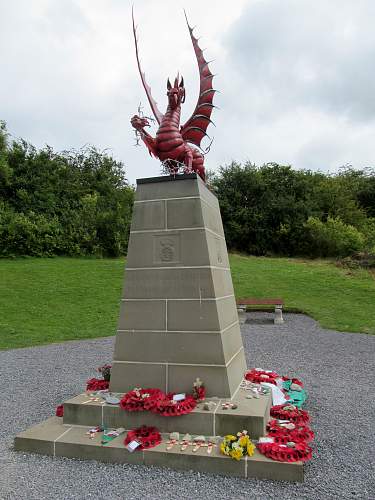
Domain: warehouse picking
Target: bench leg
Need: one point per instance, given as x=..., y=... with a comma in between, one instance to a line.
x=241, y=315
x=278, y=315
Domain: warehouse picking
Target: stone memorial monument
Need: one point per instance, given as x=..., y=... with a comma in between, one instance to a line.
x=178, y=320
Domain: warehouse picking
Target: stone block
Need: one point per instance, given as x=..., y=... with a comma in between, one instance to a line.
x=126, y=376
x=231, y=342
x=222, y=282
x=142, y=315
x=251, y=414
x=77, y=411
x=181, y=378
x=212, y=219
x=217, y=250
x=150, y=215
x=176, y=187
x=235, y=371
x=261, y=467
x=185, y=283
x=184, y=213
x=215, y=463
x=227, y=312
x=193, y=315
x=170, y=347
x=41, y=437
x=171, y=248
x=77, y=444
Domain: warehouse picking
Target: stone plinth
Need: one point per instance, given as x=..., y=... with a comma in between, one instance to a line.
x=54, y=438
x=178, y=321
x=178, y=317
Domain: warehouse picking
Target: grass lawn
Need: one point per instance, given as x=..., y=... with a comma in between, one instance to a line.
x=52, y=300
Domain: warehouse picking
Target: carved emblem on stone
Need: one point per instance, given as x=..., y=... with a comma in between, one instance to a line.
x=167, y=249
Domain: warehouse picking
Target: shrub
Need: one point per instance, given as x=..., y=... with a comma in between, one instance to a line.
x=333, y=238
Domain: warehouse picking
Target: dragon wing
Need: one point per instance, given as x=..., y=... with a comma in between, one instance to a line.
x=154, y=106
x=195, y=128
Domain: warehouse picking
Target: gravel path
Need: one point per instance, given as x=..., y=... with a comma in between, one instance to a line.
x=338, y=371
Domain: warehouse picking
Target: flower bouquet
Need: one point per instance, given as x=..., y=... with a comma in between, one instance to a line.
x=237, y=446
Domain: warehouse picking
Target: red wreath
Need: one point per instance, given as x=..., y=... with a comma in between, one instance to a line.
x=281, y=434
x=97, y=384
x=148, y=437
x=258, y=376
x=290, y=412
x=169, y=408
x=298, y=452
x=60, y=411
x=141, y=399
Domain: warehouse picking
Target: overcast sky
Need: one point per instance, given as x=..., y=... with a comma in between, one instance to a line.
x=296, y=77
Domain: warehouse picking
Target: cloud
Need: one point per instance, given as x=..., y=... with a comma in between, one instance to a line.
x=296, y=77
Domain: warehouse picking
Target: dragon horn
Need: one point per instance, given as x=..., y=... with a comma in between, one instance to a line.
x=169, y=85
x=176, y=79
x=182, y=82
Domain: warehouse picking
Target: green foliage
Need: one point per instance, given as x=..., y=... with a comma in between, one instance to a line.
x=333, y=238
x=266, y=209
x=71, y=203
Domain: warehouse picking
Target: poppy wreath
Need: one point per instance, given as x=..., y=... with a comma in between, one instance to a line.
x=258, y=376
x=97, y=384
x=291, y=452
x=141, y=399
x=148, y=437
x=290, y=412
x=169, y=408
x=290, y=432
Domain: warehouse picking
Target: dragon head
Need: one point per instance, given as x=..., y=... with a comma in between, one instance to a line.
x=176, y=94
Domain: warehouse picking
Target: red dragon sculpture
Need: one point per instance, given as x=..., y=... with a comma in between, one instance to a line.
x=173, y=144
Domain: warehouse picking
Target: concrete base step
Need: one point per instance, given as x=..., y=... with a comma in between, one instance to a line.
x=55, y=438
x=250, y=414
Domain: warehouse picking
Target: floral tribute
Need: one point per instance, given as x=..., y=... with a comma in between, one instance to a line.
x=97, y=384
x=141, y=399
x=284, y=432
x=162, y=403
x=289, y=452
x=290, y=412
x=167, y=407
x=288, y=434
x=237, y=446
x=147, y=437
x=258, y=376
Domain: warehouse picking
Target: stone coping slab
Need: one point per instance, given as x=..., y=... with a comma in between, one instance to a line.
x=167, y=178
x=250, y=414
x=54, y=438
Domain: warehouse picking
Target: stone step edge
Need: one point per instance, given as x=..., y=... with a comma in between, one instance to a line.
x=74, y=411
x=72, y=442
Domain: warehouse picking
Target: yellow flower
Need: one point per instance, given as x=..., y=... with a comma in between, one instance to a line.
x=250, y=448
x=229, y=437
x=243, y=440
x=236, y=454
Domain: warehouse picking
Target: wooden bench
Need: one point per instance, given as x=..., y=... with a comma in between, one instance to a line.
x=243, y=303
